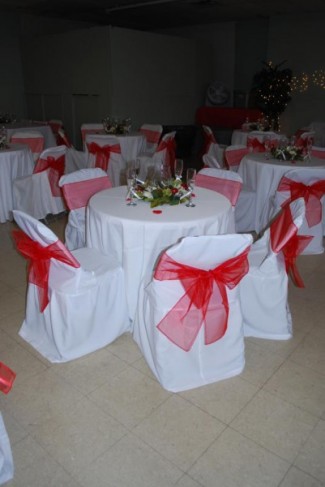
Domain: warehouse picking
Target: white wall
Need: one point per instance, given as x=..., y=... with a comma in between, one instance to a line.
x=300, y=40
x=11, y=79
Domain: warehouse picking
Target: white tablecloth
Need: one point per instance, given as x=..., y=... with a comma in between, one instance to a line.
x=46, y=131
x=263, y=177
x=15, y=162
x=136, y=236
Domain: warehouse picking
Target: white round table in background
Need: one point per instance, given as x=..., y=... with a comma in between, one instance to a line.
x=263, y=177
x=136, y=235
x=15, y=161
x=46, y=131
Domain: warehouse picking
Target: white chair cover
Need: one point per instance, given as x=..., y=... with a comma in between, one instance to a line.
x=32, y=138
x=210, y=161
x=87, y=306
x=162, y=160
x=6, y=460
x=212, y=148
x=175, y=368
x=264, y=290
x=234, y=154
x=318, y=128
x=116, y=165
x=225, y=182
x=33, y=194
x=309, y=227
x=90, y=128
x=318, y=152
x=152, y=134
x=78, y=187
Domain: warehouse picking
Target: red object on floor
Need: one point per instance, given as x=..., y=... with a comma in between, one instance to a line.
x=7, y=377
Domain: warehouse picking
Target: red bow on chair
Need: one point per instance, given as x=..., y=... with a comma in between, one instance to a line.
x=56, y=170
x=7, y=377
x=170, y=146
x=209, y=139
x=103, y=153
x=39, y=262
x=312, y=195
x=205, y=299
x=256, y=145
x=283, y=234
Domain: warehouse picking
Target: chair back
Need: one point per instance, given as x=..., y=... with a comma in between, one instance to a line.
x=225, y=182
x=79, y=186
x=62, y=138
x=32, y=138
x=53, y=161
x=318, y=152
x=210, y=161
x=209, y=138
x=104, y=151
x=90, y=128
x=234, y=155
x=165, y=154
x=310, y=185
x=152, y=134
x=305, y=138
x=55, y=125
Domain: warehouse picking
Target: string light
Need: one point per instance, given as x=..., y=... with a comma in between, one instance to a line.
x=301, y=83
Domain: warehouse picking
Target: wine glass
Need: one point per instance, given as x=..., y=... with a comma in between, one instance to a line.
x=309, y=148
x=267, y=145
x=130, y=177
x=178, y=168
x=190, y=179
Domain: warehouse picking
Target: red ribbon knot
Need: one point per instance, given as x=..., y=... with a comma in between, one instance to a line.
x=56, y=170
x=103, y=153
x=205, y=300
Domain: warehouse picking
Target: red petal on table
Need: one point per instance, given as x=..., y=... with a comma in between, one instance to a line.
x=193, y=195
x=157, y=212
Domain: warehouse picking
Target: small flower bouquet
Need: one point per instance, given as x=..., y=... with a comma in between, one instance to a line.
x=288, y=153
x=171, y=192
x=115, y=126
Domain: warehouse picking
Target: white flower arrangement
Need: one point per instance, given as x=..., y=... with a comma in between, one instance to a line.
x=115, y=126
x=288, y=153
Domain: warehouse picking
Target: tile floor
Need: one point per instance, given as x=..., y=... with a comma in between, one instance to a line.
x=103, y=420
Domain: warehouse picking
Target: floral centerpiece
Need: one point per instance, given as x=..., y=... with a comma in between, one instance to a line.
x=288, y=153
x=170, y=192
x=116, y=126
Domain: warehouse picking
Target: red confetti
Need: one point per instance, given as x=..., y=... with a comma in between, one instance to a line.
x=157, y=212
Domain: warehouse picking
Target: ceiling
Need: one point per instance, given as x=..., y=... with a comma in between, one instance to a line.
x=159, y=14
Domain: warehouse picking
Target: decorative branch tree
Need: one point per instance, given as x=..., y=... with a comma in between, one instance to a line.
x=272, y=88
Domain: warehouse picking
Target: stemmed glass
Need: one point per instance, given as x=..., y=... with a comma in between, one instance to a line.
x=309, y=148
x=137, y=167
x=267, y=145
x=178, y=168
x=190, y=179
x=130, y=177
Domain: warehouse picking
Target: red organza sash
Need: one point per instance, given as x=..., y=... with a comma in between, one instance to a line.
x=318, y=153
x=228, y=188
x=151, y=136
x=7, y=377
x=291, y=250
x=103, y=153
x=39, y=262
x=56, y=170
x=77, y=194
x=205, y=299
x=234, y=157
x=312, y=195
x=170, y=146
x=283, y=235
x=255, y=144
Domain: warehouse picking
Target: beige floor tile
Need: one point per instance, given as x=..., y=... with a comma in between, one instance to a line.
x=92, y=371
x=311, y=458
x=10, y=303
x=179, y=431
x=300, y=386
x=284, y=348
x=131, y=463
x=143, y=367
x=298, y=478
x=129, y=397
x=125, y=348
x=23, y=363
x=260, y=365
x=187, y=481
x=35, y=468
x=236, y=461
x=275, y=424
x=310, y=352
x=6, y=342
x=224, y=399
x=77, y=437
x=15, y=431
x=11, y=324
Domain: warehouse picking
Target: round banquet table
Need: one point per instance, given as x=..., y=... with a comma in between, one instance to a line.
x=239, y=137
x=263, y=176
x=15, y=161
x=136, y=235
